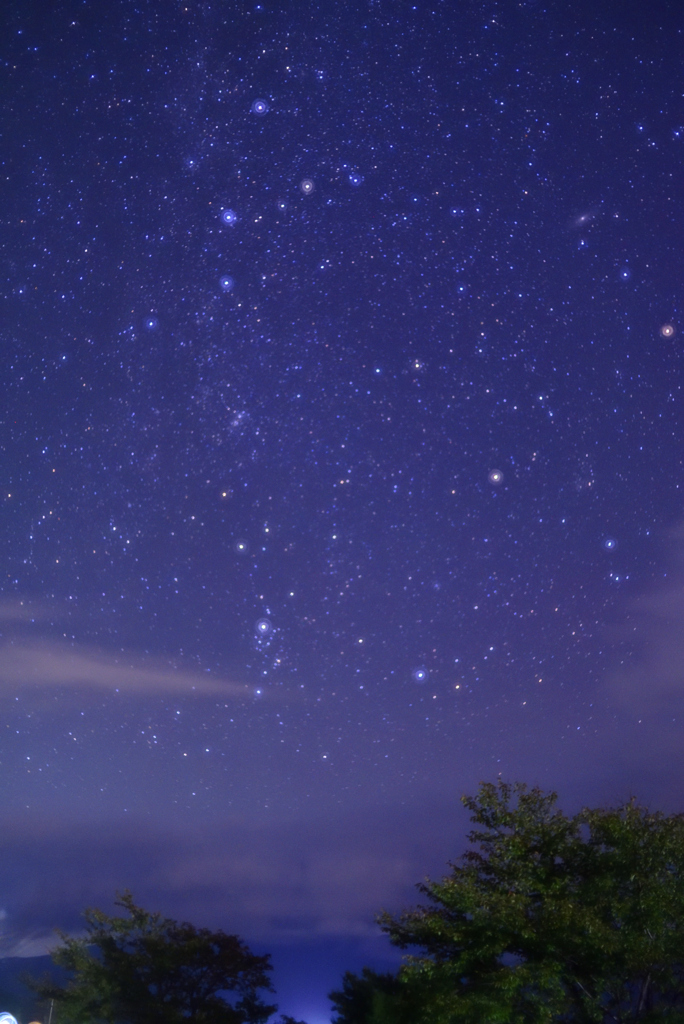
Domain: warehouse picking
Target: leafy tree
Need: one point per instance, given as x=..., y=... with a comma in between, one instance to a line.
x=367, y=998
x=146, y=969
x=577, y=920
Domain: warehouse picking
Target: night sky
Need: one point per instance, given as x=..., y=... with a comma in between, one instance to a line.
x=342, y=447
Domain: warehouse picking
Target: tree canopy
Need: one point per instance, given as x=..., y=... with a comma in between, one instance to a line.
x=366, y=997
x=143, y=968
x=577, y=920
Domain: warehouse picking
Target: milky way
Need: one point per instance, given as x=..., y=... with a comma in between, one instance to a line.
x=341, y=435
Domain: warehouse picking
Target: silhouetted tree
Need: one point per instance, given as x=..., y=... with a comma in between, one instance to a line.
x=364, y=998
x=554, y=919
x=146, y=969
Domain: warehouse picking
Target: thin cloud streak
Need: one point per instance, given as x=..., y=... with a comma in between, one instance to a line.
x=46, y=664
x=26, y=611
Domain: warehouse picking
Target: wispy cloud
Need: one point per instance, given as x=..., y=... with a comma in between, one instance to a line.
x=49, y=664
x=652, y=674
x=308, y=877
x=21, y=610
x=39, y=944
x=651, y=640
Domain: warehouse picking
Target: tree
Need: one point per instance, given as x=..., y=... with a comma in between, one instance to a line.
x=146, y=969
x=370, y=997
x=577, y=920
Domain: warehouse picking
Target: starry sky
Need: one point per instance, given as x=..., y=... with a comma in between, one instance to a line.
x=341, y=426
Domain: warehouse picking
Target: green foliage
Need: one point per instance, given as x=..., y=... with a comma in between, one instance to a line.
x=577, y=920
x=146, y=969
x=370, y=998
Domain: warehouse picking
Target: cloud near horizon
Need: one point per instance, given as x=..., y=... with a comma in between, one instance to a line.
x=271, y=882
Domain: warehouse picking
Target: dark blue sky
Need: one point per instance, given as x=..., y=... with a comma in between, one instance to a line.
x=341, y=357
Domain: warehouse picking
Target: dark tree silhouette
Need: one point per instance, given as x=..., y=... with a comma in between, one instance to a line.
x=146, y=969
x=553, y=919
x=366, y=997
